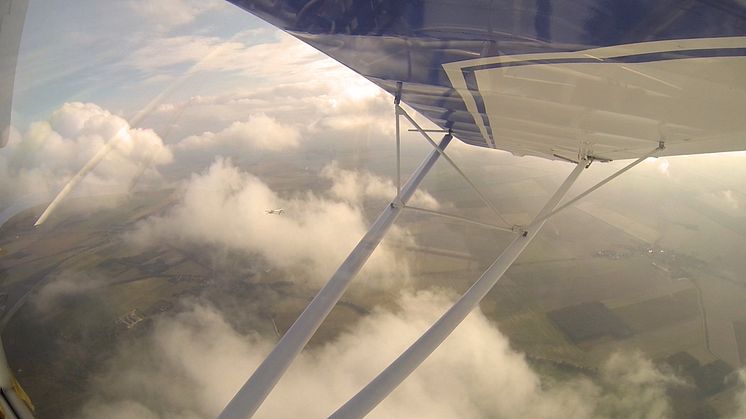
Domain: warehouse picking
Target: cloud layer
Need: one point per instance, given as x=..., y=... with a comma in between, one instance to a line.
x=193, y=362
x=225, y=207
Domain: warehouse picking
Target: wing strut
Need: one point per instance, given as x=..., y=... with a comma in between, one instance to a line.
x=462, y=219
x=248, y=399
x=424, y=133
x=14, y=402
x=252, y=394
x=653, y=152
x=377, y=390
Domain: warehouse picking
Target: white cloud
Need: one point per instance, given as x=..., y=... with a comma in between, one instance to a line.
x=259, y=132
x=195, y=362
x=37, y=163
x=282, y=78
x=314, y=107
x=165, y=52
x=637, y=387
x=167, y=14
x=284, y=60
x=353, y=186
x=66, y=284
x=226, y=207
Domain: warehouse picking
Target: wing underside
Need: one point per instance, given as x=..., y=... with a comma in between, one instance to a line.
x=609, y=78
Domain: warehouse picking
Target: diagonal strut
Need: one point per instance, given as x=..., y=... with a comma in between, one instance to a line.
x=390, y=378
x=248, y=399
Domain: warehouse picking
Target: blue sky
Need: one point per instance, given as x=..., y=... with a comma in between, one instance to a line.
x=207, y=78
x=93, y=51
x=192, y=67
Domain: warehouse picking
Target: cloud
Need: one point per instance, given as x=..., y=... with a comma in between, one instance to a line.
x=740, y=397
x=239, y=54
x=63, y=286
x=167, y=14
x=259, y=132
x=192, y=363
x=281, y=78
x=353, y=187
x=166, y=52
x=37, y=163
x=637, y=387
x=319, y=111
x=224, y=207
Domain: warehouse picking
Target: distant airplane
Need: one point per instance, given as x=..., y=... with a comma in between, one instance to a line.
x=277, y=211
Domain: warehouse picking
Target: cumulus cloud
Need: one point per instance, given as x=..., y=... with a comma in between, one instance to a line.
x=225, y=207
x=283, y=78
x=320, y=111
x=353, y=187
x=37, y=163
x=193, y=362
x=637, y=387
x=333, y=106
x=259, y=132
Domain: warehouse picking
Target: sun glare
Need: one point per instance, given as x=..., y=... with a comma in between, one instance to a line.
x=359, y=90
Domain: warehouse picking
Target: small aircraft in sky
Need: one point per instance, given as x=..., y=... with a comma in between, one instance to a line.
x=277, y=211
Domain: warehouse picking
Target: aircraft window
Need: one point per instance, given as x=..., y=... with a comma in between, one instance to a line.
x=179, y=179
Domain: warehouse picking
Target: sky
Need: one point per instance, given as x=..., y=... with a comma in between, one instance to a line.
x=196, y=92
x=103, y=52
x=199, y=79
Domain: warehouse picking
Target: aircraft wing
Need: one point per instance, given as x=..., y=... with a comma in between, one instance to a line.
x=548, y=78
